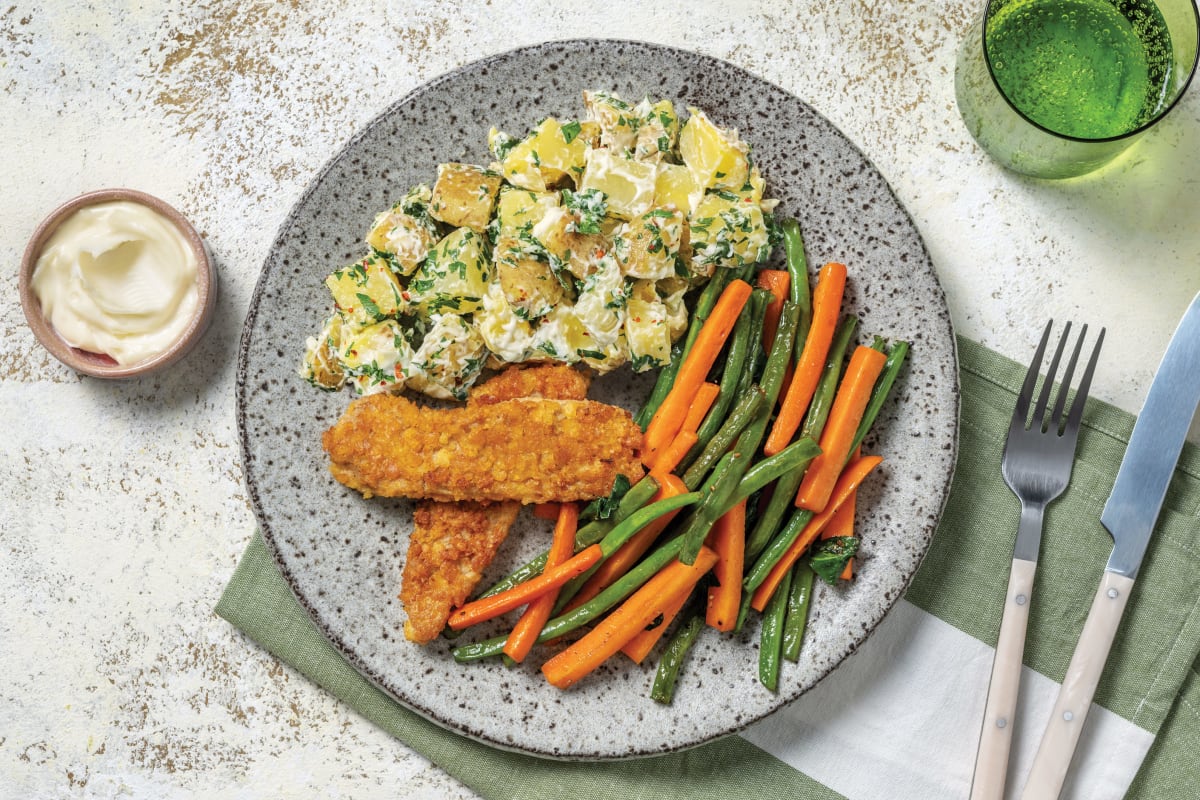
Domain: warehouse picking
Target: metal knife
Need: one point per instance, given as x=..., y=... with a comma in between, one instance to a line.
x=1129, y=515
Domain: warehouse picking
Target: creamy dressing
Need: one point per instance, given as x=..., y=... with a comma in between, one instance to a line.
x=118, y=279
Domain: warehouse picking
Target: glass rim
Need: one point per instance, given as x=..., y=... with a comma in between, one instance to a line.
x=1068, y=137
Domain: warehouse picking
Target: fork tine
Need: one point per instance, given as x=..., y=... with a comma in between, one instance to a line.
x=1021, y=412
x=1076, y=413
x=1056, y=415
x=1039, y=411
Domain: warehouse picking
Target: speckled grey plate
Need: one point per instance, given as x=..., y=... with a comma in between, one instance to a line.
x=343, y=555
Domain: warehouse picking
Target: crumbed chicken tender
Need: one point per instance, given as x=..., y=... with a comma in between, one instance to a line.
x=533, y=451
x=453, y=543
x=450, y=547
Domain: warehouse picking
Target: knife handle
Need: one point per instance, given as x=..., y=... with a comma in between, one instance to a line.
x=1079, y=685
x=995, y=738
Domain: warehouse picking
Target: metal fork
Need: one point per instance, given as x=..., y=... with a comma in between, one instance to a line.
x=1038, y=456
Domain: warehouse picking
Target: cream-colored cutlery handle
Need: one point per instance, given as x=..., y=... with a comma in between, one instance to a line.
x=1075, y=697
x=995, y=738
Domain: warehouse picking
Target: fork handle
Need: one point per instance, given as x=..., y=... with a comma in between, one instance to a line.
x=995, y=738
x=1054, y=754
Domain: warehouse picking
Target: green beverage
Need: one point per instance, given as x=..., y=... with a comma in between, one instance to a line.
x=1090, y=69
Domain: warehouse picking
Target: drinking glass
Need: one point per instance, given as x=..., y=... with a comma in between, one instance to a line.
x=1058, y=88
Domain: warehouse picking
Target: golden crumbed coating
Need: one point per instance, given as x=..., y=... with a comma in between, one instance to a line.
x=532, y=451
x=547, y=381
x=450, y=547
x=453, y=543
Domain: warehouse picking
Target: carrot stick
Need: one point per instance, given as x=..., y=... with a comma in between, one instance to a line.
x=702, y=402
x=728, y=541
x=842, y=524
x=638, y=611
x=838, y=436
x=534, y=618
x=545, y=510
x=777, y=282
x=644, y=640
x=492, y=606
x=827, y=303
x=846, y=485
x=628, y=554
x=669, y=418
x=669, y=458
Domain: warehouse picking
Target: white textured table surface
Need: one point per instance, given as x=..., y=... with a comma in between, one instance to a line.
x=123, y=509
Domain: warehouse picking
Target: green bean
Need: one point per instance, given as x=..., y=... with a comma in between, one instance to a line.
x=775, y=550
x=759, y=301
x=625, y=531
x=743, y=612
x=770, y=518
x=638, y=495
x=797, y=612
x=621, y=588
x=799, y=291
x=879, y=394
x=822, y=400
x=793, y=458
x=680, y=643
x=770, y=641
x=726, y=475
x=747, y=409
x=797, y=262
x=662, y=387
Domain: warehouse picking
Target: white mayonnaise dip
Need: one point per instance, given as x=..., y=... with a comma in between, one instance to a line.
x=117, y=278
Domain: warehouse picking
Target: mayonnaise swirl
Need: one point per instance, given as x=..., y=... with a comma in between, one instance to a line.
x=118, y=278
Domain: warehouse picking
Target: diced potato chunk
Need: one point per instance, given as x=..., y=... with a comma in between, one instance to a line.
x=320, y=366
x=601, y=303
x=646, y=330
x=577, y=252
x=548, y=156
x=403, y=238
x=455, y=275
x=628, y=184
x=464, y=195
x=377, y=358
x=674, y=293
x=520, y=209
x=528, y=283
x=675, y=187
x=608, y=359
x=506, y=334
x=366, y=291
x=561, y=336
x=616, y=118
x=648, y=245
x=449, y=359
x=727, y=230
x=658, y=130
x=715, y=156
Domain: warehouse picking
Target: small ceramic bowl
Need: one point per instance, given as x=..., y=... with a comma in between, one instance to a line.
x=96, y=364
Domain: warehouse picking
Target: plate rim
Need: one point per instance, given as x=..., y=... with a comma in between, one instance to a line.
x=242, y=383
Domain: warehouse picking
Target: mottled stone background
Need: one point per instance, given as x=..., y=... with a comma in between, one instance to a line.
x=123, y=511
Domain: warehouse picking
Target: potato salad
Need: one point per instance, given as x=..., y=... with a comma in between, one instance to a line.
x=577, y=243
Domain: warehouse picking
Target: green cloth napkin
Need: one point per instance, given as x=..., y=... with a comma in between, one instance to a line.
x=1152, y=678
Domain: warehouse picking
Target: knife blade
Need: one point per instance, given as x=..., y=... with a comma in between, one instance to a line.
x=1154, y=447
x=1130, y=516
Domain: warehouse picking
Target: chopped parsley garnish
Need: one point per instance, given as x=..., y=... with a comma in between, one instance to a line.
x=589, y=208
x=570, y=131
